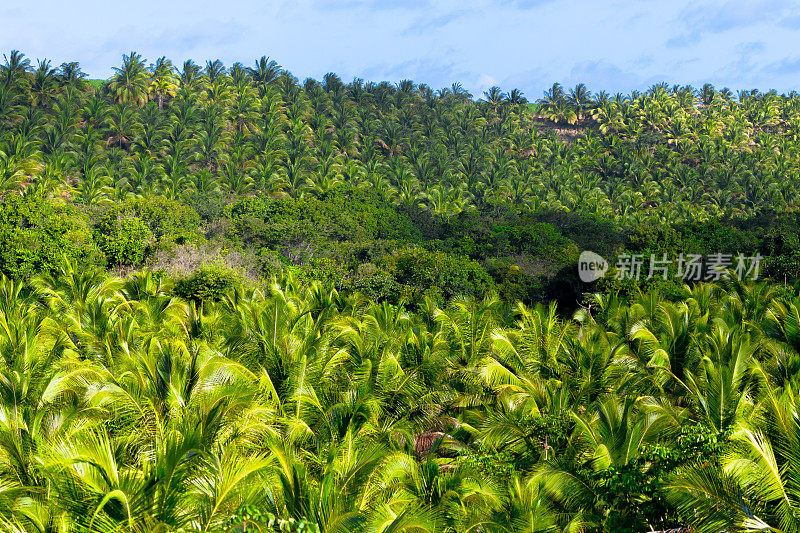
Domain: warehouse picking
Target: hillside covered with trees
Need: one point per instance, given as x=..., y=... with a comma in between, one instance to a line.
x=231, y=301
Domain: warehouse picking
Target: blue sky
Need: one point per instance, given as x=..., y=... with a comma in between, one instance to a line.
x=528, y=44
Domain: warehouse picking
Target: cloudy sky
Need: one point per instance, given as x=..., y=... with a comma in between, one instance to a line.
x=528, y=44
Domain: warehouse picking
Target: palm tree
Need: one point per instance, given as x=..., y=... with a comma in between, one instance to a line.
x=515, y=97
x=189, y=74
x=70, y=74
x=581, y=99
x=129, y=85
x=494, y=96
x=214, y=70
x=265, y=73
x=15, y=171
x=13, y=73
x=43, y=85
x=164, y=81
x=446, y=202
x=752, y=489
x=94, y=187
x=122, y=125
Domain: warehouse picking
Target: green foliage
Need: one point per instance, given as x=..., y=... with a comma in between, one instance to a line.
x=355, y=172
x=449, y=274
x=328, y=271
x=538, y=239
x=634, y=492
x=168, y=220
x=378, y=285
x=377, y=382
x=250, y=518
x=514, y=284
x=497, y=467
x=36, y=234
x=208, y=283
x=782, y=237
x=587, y=231
x=285, y=409
x=123, y=239
x=343, y=215
x=655, y=239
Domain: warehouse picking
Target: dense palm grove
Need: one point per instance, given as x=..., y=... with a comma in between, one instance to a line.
x=128, y=409
x=233, y=302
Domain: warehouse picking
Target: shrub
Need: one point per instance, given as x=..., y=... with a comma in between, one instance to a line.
x=250, y=518
x=450, y=274
x=514, y=284
x=343, y=215
x=209, y=282
x=326, y=271
x=123, y=238
x=377, y=284
x=36, y=233
x=168, y=220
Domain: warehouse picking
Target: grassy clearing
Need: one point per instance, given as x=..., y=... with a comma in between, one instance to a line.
x=96, y=84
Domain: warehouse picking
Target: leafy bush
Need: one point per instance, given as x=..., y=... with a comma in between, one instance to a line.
x=377, y=284
x=123, y=238
x=344, y=215
x=450, y=275
x=328, y=271
x=168, y=220
x=513, y=284
x=251, y=518
x=36, y=233
x=209, y=282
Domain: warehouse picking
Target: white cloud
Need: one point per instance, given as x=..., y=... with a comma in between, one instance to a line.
x=485, y=81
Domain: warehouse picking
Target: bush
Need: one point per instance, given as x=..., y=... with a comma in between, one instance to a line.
x=326, y=271
x=450, y=275
x=513, y=284
x=209, y=282
x=783, y=267
x=377, y=284
x=588, y=232
x=36, y=233
x=168, y=220
x=344, y=215
x=250, y=518
x=123, y=239
x=714, y=236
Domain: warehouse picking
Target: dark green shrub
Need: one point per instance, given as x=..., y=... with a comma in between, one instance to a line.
x=513, y=284
x=327, y=271
x=343, y=215
x=377, y=284
x=449, y=274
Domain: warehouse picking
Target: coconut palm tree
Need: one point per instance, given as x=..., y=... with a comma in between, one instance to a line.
x=265, y=73
x=43, y=85
x=13, y=72
x=130, y=83
x=163, y=82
